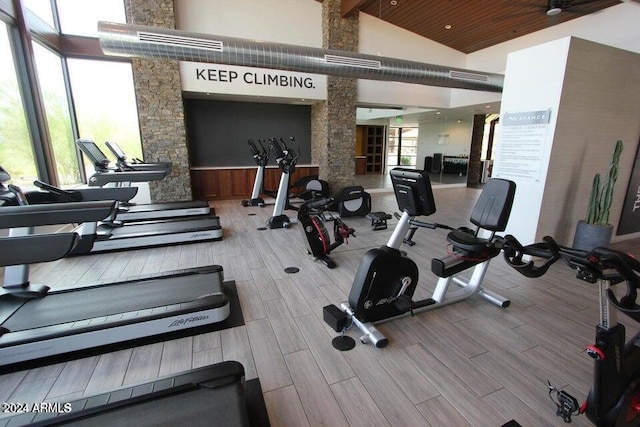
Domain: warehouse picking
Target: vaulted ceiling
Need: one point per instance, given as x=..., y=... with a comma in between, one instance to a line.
x=471, y=25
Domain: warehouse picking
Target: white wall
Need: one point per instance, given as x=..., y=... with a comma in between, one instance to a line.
x=300, y=22
x=378, y=37
x=282, y=21
x=617, y=26
x=592, y=91
x=525, y=90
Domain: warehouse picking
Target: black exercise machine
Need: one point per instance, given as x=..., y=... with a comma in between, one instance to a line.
x=137, y=172
x=311, y=217
x=112, y=235
x=211, y=395
x=351, y=201
x=614, y=398
x=38, y=322
x=386, y=279
x=123, y=163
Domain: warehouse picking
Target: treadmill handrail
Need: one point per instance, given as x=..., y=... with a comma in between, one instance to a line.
x=35, y=248
x=123, y=164
x=102, y=178
x=54, y=213
x=88, y=194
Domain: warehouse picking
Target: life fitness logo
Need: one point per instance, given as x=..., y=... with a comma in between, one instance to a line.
x=231, y=79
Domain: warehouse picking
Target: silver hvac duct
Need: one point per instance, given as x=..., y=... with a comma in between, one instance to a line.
x=153, y=42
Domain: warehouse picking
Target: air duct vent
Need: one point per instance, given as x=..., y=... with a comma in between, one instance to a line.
x=462, y=75
x=352, y=62
x=173, y=40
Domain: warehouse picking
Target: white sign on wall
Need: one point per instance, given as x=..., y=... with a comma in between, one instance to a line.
x=237, y=80
x=520, y=153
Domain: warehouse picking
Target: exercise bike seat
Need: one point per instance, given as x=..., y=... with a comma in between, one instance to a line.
x=464, y=238
x=491, y=212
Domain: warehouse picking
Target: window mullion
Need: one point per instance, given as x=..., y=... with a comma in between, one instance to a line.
x=32, y=98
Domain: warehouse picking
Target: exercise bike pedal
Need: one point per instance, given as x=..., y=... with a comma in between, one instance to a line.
x=403, y=303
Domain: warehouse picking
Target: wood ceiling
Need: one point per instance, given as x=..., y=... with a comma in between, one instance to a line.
x=474, y=24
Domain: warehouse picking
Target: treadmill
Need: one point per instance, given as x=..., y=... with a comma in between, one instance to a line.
x=212, y=395
x=112, y=235
x=152, y=211
x=123, y=163
x=37, y=322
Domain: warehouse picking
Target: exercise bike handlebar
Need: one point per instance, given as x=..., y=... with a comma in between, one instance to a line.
x=423, y=224
x=598, y=264
x=260, y=155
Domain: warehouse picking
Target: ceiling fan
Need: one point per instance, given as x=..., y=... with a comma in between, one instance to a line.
x=555, y=7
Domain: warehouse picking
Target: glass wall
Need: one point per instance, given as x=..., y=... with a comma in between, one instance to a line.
x=42, y=9
x=105, y=104
x=402, y=146
x=16, y=151
x=89, y=98
x=58, y=114
x=80, y=17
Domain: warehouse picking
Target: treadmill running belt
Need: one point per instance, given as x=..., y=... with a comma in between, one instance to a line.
x=199, y=407
x=82, y=304
x=158, y=228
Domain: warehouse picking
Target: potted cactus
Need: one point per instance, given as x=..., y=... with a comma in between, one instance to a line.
x=595, y=230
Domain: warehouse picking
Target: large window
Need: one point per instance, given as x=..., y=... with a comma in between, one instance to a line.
x=16, y=152
x=48, y=100
x=105, y=104
x=402, y=147
x=42, y=9
x=58, y=114
x=80, y=17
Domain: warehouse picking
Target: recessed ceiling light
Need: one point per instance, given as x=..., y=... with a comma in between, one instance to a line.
x=394, y=2
x=447, y=27
x=487, y=106
x=437, y=112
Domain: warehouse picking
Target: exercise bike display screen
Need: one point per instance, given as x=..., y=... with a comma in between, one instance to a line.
x=413, y=191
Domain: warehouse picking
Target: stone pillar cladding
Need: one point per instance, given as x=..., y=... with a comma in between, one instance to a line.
x=160, y=106
x=474, y=170
x=333, y=122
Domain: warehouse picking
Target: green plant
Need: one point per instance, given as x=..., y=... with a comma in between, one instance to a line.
x=600, y=198
x=405, y=161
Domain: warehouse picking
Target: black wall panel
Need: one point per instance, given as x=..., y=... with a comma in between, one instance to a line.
x=218, y=131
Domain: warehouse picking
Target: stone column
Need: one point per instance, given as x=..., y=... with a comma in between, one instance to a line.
x=160, y=108
x=333, y=122
x=475, y=154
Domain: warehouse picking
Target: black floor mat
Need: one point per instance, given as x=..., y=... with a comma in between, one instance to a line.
x=256, y=407
x=235, y=319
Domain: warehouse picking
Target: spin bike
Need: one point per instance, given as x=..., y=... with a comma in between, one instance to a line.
x=614, y=398
x=261, y=157
x=386, y=279
x=311, y=215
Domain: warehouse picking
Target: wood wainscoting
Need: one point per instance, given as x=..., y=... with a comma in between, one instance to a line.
x=217, y=183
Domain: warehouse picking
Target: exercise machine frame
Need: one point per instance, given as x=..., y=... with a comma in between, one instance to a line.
x=386, y=279
x=614, y=397
x=311, y=217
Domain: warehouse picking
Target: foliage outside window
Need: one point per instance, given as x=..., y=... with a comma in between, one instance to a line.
x=16, y=152
x=105, y=103
x=49, y=69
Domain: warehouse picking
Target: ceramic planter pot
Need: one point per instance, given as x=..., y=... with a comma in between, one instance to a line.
x=589, y=236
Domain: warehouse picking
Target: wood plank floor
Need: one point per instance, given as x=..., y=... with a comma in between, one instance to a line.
x=468, y=364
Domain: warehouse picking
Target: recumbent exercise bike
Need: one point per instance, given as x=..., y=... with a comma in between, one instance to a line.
x=311, y=216
x=386, y=279
x=614, y=398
